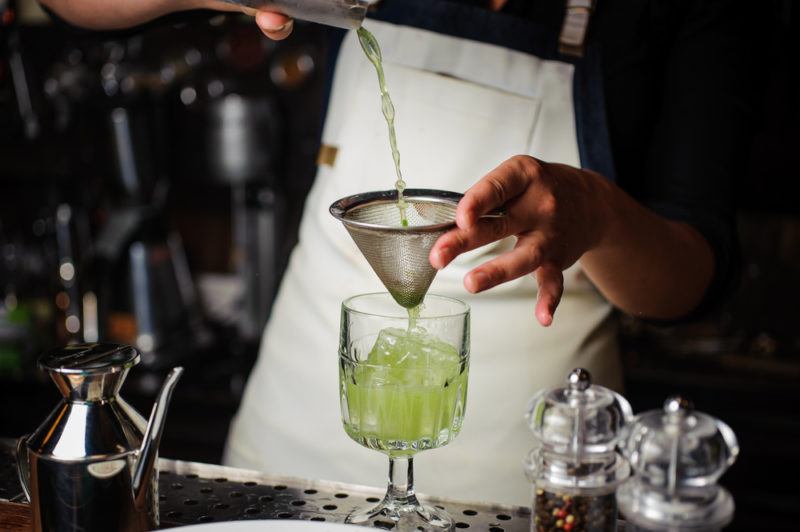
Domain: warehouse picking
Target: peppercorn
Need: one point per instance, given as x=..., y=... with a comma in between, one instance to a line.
x=554, y=512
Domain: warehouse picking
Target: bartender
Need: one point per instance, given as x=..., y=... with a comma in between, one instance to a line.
x=616, y=171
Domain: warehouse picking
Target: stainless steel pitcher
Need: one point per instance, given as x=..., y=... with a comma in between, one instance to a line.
x=91, y=465
x=348, y=14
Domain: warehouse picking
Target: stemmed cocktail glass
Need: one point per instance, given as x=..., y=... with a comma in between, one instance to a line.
x=403, y=389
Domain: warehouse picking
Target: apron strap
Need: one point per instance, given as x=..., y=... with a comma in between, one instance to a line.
x=573, y=30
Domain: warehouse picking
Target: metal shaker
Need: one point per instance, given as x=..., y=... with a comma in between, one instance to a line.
x=91, y=466
x=346, y=14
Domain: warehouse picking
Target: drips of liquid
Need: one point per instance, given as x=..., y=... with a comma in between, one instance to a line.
x=413, y=314
x=373, y=52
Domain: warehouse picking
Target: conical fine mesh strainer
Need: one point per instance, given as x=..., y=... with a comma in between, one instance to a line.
x=399, y=254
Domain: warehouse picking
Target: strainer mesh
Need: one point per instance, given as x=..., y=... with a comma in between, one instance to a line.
x=397, y=254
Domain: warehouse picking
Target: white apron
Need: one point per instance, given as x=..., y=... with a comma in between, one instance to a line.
x=462, y=108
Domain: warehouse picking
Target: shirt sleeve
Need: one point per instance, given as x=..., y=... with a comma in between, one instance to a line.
x=701, y=138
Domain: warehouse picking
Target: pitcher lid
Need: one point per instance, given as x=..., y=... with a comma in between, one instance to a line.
x=89, y=359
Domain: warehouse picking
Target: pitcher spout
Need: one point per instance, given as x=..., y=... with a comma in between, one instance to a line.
x=146, y=462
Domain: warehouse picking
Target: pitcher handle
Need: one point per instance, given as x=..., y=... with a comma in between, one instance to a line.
x=23, y=466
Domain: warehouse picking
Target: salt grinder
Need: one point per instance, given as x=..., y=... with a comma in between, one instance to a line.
x=575, y=469
x=677, y=454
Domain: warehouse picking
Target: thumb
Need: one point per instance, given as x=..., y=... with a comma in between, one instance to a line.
x=274, y=25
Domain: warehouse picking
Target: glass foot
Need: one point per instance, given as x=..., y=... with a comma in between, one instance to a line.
x=405, y=516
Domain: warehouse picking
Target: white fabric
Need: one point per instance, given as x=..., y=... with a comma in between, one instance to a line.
x=462, y=108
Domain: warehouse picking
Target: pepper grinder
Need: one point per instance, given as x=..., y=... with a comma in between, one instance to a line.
x=575, y=469
x=678, y=455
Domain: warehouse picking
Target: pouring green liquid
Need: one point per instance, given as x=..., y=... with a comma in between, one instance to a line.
x=413, y=314
x=373, y=52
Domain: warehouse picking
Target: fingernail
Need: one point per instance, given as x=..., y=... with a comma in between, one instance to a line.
x=464, y=221
x=545, y=318
x=277, y=29
x=478, y=281
x=441, y=257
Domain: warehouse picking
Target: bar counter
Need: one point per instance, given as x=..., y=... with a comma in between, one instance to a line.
x=192, y=493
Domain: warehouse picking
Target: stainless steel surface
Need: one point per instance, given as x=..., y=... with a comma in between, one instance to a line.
x=148, y=454
x=257, y=234
x=346, y=14
x=399, y=254
x=89, y=372
x=89, y=359
x=191, y=493
x=90, y=465
x=23, y=471
x=125, y=152
x=143, y=298
x=227, y=137
x=19, y=77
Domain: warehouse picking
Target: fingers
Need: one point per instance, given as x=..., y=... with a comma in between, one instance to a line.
x=551, y=287
x=522, y=260
x=458, y=240
x=495, y=189
x=274, y=25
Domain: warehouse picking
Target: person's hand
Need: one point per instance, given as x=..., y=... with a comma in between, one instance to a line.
x=274, y=25
x=552, y=209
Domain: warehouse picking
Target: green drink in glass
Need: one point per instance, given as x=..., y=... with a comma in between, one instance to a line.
x=403, y=389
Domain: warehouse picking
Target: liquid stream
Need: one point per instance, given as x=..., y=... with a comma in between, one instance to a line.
x=413, y=314
x=373, y=52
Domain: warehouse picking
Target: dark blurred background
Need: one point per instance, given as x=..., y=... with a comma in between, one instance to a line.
x=151, y=184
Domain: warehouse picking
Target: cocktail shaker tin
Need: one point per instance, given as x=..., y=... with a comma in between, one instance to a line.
x=346, y=14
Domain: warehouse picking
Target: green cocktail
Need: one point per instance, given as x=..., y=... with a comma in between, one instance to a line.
x=409, y=394
x=403, y=389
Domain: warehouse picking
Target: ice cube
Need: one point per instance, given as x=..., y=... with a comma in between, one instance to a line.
x=415, y=357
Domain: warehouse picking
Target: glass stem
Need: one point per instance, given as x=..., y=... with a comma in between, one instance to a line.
x=401, y=480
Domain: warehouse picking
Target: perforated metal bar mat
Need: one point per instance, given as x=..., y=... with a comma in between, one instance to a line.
x=198, y=493
x=191, y=492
